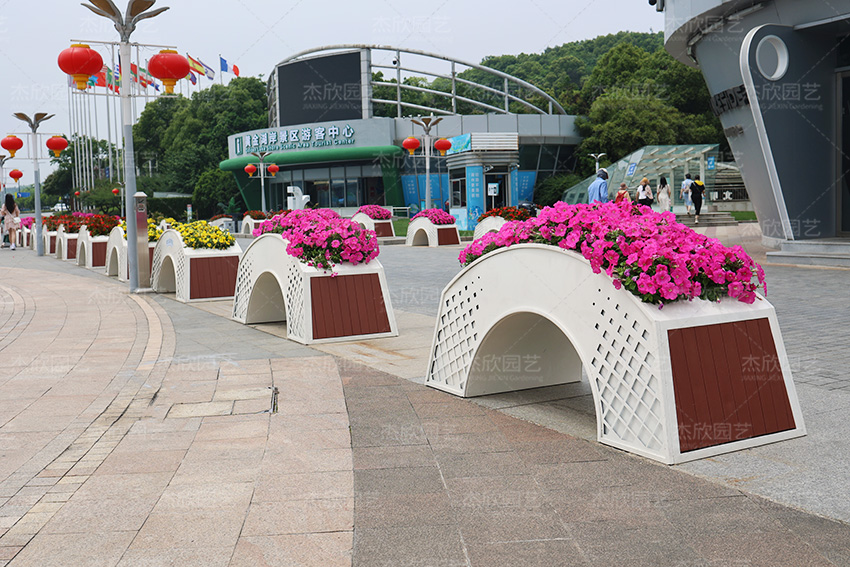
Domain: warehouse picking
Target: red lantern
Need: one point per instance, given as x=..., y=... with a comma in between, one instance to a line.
x=12, y=143
x=168, y=66
x=250, y=169
x=273, y=168
x=80, y=61
x=410, y=144
x=16, y=174
x=76, y=193
x=116, y=191
x=56, y=144
x=442, y=145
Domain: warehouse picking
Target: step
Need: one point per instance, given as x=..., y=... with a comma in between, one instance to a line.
x=840, y=246
x=809, y=259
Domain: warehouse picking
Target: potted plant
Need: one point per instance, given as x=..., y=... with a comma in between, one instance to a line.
x=432, y=227
x=376, y=218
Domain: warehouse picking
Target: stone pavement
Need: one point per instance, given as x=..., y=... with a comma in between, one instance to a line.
x=135, y=430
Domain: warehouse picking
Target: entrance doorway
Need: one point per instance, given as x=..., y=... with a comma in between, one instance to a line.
x=496, y=181
x=843, y=204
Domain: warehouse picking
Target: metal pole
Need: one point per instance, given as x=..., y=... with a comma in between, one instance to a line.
x=263, y=184
x=427, y=169
x=39, y=243
x=134, y=255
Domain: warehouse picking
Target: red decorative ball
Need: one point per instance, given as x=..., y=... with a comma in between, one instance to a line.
x=12, y=144
x=80, y=61
x=77, y=193
x=273, y=168
x=250, y=169
x=16, y=174
x=116, y=191
x=410, y=144
x=442, y=145
x=56, y=144
x=168, y=66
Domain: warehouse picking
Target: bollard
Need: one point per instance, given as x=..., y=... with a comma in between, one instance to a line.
x=140, y=207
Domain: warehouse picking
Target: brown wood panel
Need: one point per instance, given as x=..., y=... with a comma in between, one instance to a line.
x=71, y=245
x=212, y=277
x=383, y=229
x=98, y=254
x=52, y=244
x=727, y=383
x=150, y=256
x=348, y=306
x=447, y=235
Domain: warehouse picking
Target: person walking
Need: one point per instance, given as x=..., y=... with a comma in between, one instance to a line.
x=598, y=190
x=644, y=193
x=623, y=195
x=664, y=196
x=686, y=192
x=11, y=218
x=697, y=193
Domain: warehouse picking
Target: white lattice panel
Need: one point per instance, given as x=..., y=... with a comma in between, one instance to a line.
x=295, y=296
x=622, y=343
x=490, y=224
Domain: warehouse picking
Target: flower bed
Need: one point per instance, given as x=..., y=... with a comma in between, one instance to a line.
x=647, y=253
x=375, y=212
x=28, y=222
x=155, y=229
x=202, y=235
x=320, y=238
x=436, y=216
x=507, y=213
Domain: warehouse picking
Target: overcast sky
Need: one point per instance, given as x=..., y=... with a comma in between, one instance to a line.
x=255, y=34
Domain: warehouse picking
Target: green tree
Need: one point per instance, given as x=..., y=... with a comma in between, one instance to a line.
x=213, y=187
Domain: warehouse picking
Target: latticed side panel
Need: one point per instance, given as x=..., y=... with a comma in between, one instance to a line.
x=490, y=224
x=181, y=274
x=156, y=269
x=244, y=283
x=457, y=335
x=626, y=374
x=294, y=298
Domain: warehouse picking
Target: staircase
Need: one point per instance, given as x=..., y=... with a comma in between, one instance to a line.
x=708, y=219
x=831, y=252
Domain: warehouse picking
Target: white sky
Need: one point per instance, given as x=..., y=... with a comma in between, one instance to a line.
x=256, y=34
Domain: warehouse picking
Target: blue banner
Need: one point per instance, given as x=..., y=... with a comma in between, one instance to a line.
x=23, y=195
x=411, y=193
x=462, y=143
x=474, y=195
x=524, y=186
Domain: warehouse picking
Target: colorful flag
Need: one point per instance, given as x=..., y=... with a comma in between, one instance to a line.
x=227, y=67
x=196, y=65
x=207, y=70
x=191, y=77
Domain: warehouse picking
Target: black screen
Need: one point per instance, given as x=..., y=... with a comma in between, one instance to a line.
x=322, y=89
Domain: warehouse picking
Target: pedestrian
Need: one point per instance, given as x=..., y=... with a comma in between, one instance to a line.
x=598, y=190
x=447, y=206
x=623, y=195
x=663, y=192
x=11, y=218
x=644, y=193
x=686, y=192
x=697, y=193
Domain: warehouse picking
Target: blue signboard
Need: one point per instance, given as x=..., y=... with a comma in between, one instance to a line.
x=462, y=143
x=474, y=195
x=525, y=186
x=631, y=170
x=711, y=162
x=411, y=194
x=23, y=195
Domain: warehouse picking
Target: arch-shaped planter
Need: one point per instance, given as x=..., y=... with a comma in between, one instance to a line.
x=688, y=381
x=489, y=224
x=273, y=286
x=91, y=250
x=66, y=244
x=116, y=255
x=49, y=239
x=382, y=228
x=193, y=274
x=24, y=237
x=422, y=232
x=225, y=224
x=248, y=225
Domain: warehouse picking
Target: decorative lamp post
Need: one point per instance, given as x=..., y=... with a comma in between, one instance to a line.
x=137, y=10
x=34, y=123
x=16, y=174
x=81, y=62
x=57, y=144
x=169, y=67
x=428, y=123
x=596, y=157
x=261, y=156
x=12, y=144
x=410, y=144
x=3, y=159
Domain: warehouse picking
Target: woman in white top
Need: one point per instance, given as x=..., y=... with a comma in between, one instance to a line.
x=663, y=193
x=644, y=193
x=11, y=218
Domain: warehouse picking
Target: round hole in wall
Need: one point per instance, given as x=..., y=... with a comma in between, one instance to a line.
x=772, y=58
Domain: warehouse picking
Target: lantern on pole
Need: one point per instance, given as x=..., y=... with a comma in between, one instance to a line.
x=12, y=144
x=442, y=145
x=410, y=144
x=250, y=169
x=81, y=62
x=273, y=168
x=116, y=191
x=76, y=193
x=169, y=67
x=57, y=144
x=16, y=174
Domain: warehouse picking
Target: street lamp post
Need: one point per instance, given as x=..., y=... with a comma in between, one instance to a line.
x=262, y=156
x=3, y=159
x=427, y=123
x=33, y=123
x=596, y=157
x=126, y=24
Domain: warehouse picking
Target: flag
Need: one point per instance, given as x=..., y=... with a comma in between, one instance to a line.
x=207, y=70
x=227, y=67
x=196, y=65
x=191, y=77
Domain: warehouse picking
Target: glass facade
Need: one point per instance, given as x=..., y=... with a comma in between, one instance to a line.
x=331, y=185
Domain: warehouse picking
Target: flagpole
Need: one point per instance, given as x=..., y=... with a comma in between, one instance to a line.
x=220, y=72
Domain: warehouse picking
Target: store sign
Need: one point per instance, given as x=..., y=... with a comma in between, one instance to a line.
x=729, y=99
x=295, y=139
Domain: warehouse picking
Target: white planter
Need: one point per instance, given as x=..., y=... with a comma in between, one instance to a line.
x=490, y=224
x=422, y=232
x=116, y=255
x=23, y=237
x=193, y=274
x=91, y=250
x=382, y=228
x=273, y=286
x=532, y=315
x=225, y=224
x=248, y=225
x=49, y=239
x=66, y=244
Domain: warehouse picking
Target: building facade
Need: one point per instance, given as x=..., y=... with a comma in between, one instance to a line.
x=336, y=129
x=779, y=75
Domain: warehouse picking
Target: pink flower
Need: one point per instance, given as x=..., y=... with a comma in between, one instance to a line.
x=436, y=216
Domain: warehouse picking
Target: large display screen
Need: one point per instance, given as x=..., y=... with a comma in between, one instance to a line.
x=321, y=89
